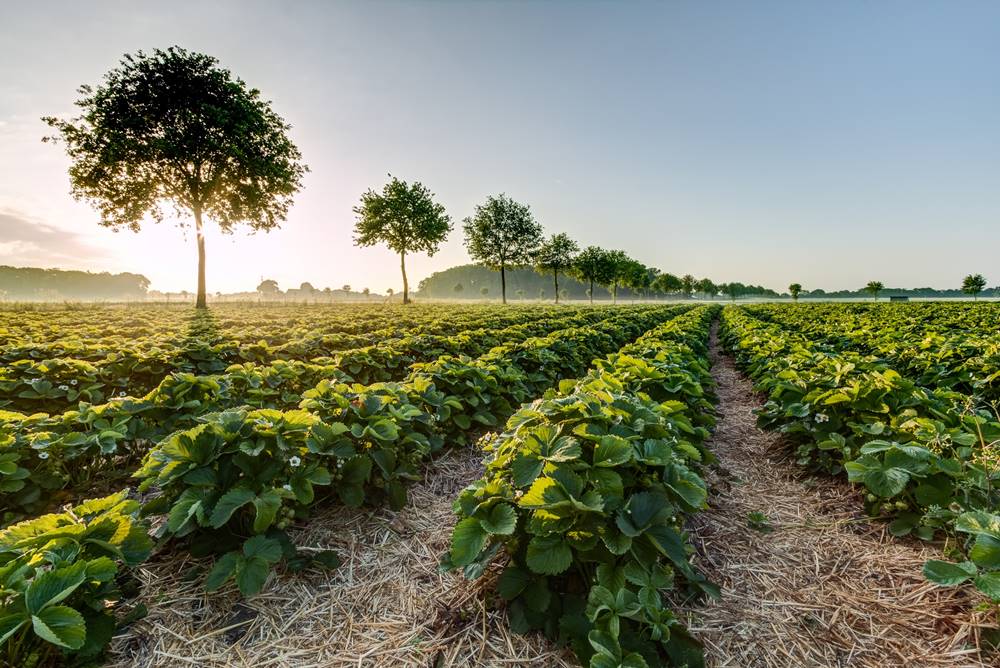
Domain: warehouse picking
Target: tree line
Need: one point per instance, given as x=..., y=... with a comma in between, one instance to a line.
x=174, y=128
x=34, y=284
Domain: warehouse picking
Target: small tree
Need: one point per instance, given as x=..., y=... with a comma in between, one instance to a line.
x=973, y=284
x=346, y=289
x=707, y=287
x=590, y=266
x=172, y=127
x=520, y=294
x=873, y=288
x=617, y=266
x=484, y=291
x=366, y=292
x=389, y=292
x=458, y=289
x=637, y=278
x=688, y=285
x=268, y=288
x=502, y=233
x=795, y=289
x=668, y=283
x=556, y=255
x=405, y=218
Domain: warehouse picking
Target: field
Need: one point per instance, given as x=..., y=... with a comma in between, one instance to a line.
x=446, y=485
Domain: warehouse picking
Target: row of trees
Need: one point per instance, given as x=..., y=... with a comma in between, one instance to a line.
x=502, y=234
x=973, y=284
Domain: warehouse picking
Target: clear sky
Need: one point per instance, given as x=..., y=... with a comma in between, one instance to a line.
x=828, y=143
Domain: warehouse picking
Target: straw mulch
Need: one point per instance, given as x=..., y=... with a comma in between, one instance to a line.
x=825, y=587
x=386, y=605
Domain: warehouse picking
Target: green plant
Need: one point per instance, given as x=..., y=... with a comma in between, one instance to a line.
x=60, y=580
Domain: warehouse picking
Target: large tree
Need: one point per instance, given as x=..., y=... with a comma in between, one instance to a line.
x=795, y=289
x=973, y=284
x=688, y=284
x=405, y=218
x=502, y=233
x=174, y=128
x=556, y=255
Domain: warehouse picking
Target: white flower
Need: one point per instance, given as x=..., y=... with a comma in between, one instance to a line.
x=286, y=487
x=122, y=393
x=43, y=455
x=73, y=382
x=64, y=388
x=822, y=417
x=294, y=461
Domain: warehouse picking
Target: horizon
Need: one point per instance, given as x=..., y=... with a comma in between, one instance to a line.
x=765, y=144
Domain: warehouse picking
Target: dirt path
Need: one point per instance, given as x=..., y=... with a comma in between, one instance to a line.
x=825, y=587
x=385, y=606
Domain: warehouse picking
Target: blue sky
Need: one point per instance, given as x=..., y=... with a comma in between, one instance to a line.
x=767, y=142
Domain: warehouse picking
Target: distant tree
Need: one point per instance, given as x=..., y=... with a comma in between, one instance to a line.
x=616, y=271
x=458, y=288
x=172, y=127
x=636, y=278
x=484, y=291
x=520, y=294
x=707, y=287
x=328, y=293
x=688, y=284
x=405, y=218
x=502, y=233
x=973, y=284
x=307, y=288
x=565, y=293
x=668, y=283
x=346, y=288
x=366, y=292
x=873, y=288
x=794, y=290
x=389, y=292
x=556, y=255
x=590, y=266
x=268, y=287
x=734, y=290
x=541, y=293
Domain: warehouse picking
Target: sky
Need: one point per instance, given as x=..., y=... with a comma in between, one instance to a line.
x=764, y=142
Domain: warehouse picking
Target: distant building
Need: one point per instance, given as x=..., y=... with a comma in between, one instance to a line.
x=898, y=298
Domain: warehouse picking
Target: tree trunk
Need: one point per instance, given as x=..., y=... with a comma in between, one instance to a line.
x=503, y=284
x=614, y=292
x=201, y=302
x=406, y=285
x=591, y=292
x=555, y=279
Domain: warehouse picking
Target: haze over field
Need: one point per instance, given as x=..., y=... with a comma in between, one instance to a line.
x=763, y=142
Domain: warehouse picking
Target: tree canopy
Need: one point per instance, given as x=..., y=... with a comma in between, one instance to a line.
x=794, y=290
x=405, y=218
x=873, y=288
x=973, y=284
x=173, y=127
x=502, y=233
x=556, y=255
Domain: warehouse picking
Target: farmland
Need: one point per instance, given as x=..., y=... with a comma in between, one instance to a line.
x=176, y=485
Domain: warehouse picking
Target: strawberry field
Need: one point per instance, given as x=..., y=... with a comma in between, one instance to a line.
x=135, y=440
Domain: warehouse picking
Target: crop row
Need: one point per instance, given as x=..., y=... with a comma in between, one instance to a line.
x=584, y=500
x=43, y=454
x=956, y=347
x=121, y=327
x=57, y=384
x=235, y=481
x=927, y=460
